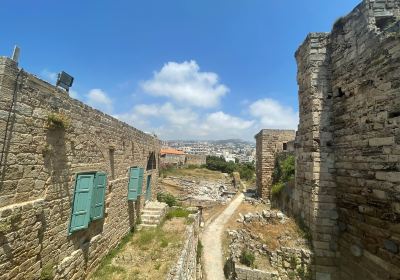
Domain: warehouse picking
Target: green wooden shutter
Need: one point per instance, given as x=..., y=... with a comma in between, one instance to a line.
x=99, y=191
x=141, y=172
x=133, y=183
x=82, y=201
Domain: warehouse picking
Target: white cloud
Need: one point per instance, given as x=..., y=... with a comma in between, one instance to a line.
x=184, y=83
x=220, y=121
x=99, y=99
x=49, y=75
x=167, y=111
x=170, y=122
x=272, y=114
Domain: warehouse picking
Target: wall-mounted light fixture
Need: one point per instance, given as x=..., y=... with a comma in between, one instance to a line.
x=64, y=80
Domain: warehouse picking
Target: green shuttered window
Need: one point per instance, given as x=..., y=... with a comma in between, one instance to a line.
x=88, y=203
x=141, y=172
x=135, y=182
x=99, y=190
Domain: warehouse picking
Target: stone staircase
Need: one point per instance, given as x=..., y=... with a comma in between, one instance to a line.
x=152, y=214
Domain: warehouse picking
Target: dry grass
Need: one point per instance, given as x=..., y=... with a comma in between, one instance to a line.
x=148, y=255
x=274, y=235
x=168, y=186
x=244, y=208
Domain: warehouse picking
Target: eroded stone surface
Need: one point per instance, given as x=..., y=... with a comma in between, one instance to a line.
x=37, y=178
x=348, y=143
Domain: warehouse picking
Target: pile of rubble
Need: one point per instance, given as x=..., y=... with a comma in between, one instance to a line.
x=202, y=190
x=265, y=217
x=294, y=259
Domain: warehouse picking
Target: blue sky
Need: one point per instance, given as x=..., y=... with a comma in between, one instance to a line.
x=209, y=69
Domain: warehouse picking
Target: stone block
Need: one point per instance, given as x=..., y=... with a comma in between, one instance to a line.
x=388, y=176
x=385, y=141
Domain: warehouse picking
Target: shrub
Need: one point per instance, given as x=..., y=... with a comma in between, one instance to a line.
x=167, y=198
x=288, y=168
x=57, y=121
x=277, y=188
x=247, y=258
x=164, y=243
x=246, y=170
x=177, y=213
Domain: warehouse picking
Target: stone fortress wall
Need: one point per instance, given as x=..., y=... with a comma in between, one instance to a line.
x=38, y=170
x=269, y=143
x=348, y=143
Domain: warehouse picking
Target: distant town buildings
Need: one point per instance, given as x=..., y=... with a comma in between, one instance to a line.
x=231, y=150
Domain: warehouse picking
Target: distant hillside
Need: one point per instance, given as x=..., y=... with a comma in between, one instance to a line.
x=225, y=141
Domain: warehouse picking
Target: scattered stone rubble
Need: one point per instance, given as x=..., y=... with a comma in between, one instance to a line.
x=293, y=262
x=203, y=190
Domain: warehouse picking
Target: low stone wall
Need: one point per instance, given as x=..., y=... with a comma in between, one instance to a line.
x=247, y=273
x=292, y=263
x=285, y=199
x=195, y=160
x=186, y=267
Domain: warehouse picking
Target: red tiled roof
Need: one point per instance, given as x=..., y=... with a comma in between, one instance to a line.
x=171, y=152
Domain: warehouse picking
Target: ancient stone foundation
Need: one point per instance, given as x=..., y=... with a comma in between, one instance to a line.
x=348, y=143
x=186, y=267
x=268, y=144
x=46, y=139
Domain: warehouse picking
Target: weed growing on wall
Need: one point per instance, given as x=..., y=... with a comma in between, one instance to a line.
x=57, y=121
x=47, y=272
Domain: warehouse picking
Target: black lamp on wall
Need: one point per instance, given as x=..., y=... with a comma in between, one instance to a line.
x=64, y=80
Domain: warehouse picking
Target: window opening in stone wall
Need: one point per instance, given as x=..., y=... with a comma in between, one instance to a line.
x=383, y=22
x=151, y=162
x=88, y=201
x=284, y=146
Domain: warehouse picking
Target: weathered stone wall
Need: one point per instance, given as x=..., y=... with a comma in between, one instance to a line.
x=195, y=159
x=172, y=160
x=186, y=267
x=348, y=143
x=269, y=143
x=38, y=168
x=245, y=273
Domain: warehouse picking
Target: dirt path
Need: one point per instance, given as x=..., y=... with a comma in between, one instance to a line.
x=211, y=239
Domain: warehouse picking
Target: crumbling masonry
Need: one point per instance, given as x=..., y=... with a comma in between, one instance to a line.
x=348, y=143
x=269, y=143
x=47, y=138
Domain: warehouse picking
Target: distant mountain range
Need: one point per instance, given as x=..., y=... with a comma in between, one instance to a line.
x=225, y=141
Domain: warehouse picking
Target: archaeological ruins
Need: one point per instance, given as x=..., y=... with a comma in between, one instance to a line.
x=269, y=143
x=348, y=144
x=73, y=180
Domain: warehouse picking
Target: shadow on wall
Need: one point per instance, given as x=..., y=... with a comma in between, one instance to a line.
x=9, y=130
